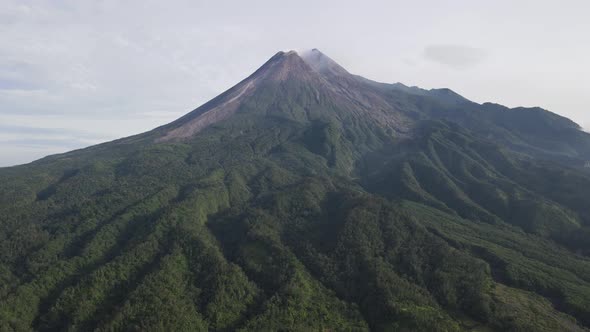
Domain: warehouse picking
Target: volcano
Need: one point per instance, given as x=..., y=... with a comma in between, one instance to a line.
x=307, y=198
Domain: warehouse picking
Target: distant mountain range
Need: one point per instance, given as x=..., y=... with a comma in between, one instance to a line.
x=306, y=198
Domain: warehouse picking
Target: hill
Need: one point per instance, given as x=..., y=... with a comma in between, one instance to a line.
x=307, y=198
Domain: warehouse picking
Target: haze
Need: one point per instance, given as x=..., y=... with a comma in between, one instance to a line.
x=77, y=73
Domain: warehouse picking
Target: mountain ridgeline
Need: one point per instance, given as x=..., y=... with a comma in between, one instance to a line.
x=306, y=198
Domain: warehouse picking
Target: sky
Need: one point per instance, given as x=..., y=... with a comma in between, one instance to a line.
x=77, y=73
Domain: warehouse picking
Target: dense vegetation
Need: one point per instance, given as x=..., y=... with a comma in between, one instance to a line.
x=294, y=215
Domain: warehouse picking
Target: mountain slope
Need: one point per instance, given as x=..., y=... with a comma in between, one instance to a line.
x=307, y=198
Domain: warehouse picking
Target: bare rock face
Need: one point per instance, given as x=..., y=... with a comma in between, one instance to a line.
x=310, y=68
x=209, y=115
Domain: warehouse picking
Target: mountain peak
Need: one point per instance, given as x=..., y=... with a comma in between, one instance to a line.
x=283, y=66
x=302, y=64
x=321, y=63
x=320, y=76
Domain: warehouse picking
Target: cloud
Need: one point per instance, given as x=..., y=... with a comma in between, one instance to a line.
x=455, y=56
x=62, y=143
x=21, y=131
x=24, y=143
x=11, y=84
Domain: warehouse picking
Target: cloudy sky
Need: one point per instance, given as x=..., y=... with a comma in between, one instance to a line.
x=75, y=73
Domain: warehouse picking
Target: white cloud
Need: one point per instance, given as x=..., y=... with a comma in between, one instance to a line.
x=20, y=143
x=456, y=56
